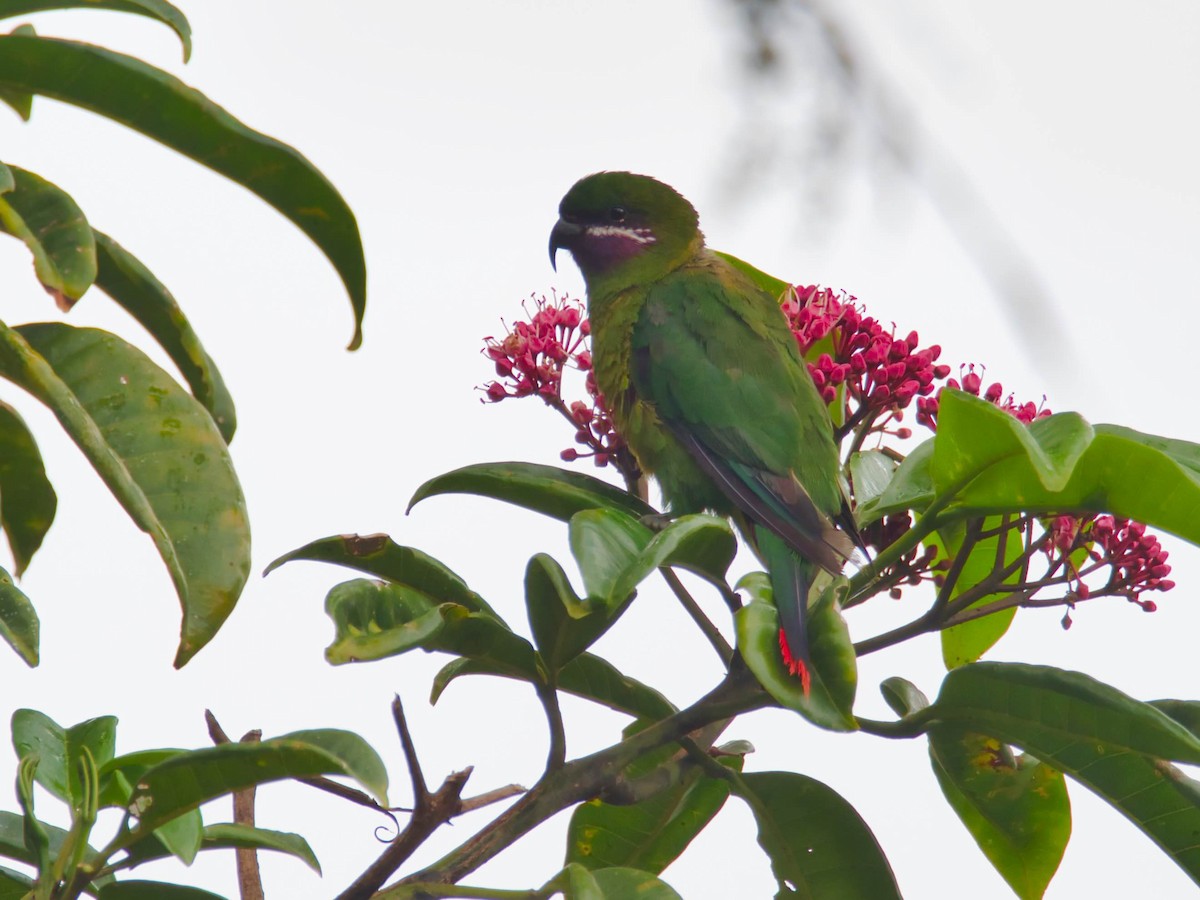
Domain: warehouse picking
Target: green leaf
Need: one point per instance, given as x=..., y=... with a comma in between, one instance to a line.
x=965, y=643
x=1016, y=808
x=604, y=542
x=230, y=835
x=699, y=543
x=52, y=226
x=587, y=676
x=162, y=107
x=1185, y=712
x=135, y=289
x=20, y=101
x=834, y=677
x=871, y=473
x=379, y=555
x=577, y=883
x=58, y=749
x=376, y=620
x=184, y=782
x=14, y=885
x=181, y=837
x=904, y=697
x=7, y=183
x=19, y=623
x=554, y=492
x=157, y=450
x=651, y=834
x=359, y=759
x=13, y=846
x=818, y=845
x=563, y=624
x=1116, y=746
x=154, y=9
x=27, y=499
x=154, y=890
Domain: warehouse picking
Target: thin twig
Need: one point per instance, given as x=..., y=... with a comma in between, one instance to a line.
x=707, y=628
x=557, y=753
x=487, y=798
x=419, y=787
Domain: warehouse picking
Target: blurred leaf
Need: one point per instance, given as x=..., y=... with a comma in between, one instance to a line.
x=360, y=760
x=157, y=450
x=12, y=842
x=1185, y=712
x=52, y=226
x=184, y=782
x=818, y=844
x=7, y=183
x=871, y=472
x=19, y=623
x=554, y=492
x=904, y=697
x=911, y=487
x=586, y=676
x=27, y=499
x=834, y=672
x=651, y=834
x=604, y=542
x=154, y=890
x=14, y=885
x=699, y=543
x=154, y=9
x=375, y=620
x=135, y=289
x=563, y=624
x=1109, y=742
x=1017, y=809
x=162, y=107
x=379, y=555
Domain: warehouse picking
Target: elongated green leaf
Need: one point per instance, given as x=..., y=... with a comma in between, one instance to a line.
x=379, y=555
x=27, y=499
x=154, y=9
x=19, y=624
x=157, y=450
x=818, y=845
x=1016, y=808
x=834, y=674
x=181, y=837
x=20, y=101
x=126, y=280
x=162, y=107
x=702, y=544
x=7, y=182
x=776, y=287
x=871, y=472
x=226, y=835
x=52, y=226
x=184, y=782
x=376, y=620
x=911, y=487
x=554, y=492
x=14, y=885
x=1185, y=712
x=154, y=890
x=904, y=697
x=651, y=834
x=587, y=676
x=1106, y=740
x=604, y=542
x=358, y=758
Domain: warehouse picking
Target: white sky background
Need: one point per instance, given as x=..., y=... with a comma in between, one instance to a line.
x=453, y=130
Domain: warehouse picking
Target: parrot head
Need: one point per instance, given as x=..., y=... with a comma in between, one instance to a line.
x=625, y=227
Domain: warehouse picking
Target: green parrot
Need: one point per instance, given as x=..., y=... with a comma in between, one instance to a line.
x=706, y=384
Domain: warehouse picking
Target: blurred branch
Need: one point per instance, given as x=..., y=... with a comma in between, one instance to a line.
x=844, y=96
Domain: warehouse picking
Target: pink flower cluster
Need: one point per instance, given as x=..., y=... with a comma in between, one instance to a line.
x=972, y=383
x=530, y=360
x=1136, y=560
x=880, y=372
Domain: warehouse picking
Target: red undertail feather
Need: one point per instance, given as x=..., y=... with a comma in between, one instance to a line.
x=796, y=666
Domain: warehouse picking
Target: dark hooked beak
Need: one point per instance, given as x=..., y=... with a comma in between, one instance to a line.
x=562, y=236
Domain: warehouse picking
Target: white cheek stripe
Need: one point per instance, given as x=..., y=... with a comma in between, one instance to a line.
x=641, y=235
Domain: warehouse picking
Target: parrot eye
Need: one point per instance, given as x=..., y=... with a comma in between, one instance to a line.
x=617, y=215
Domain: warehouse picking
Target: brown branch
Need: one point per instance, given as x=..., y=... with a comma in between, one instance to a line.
x=249, y=876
